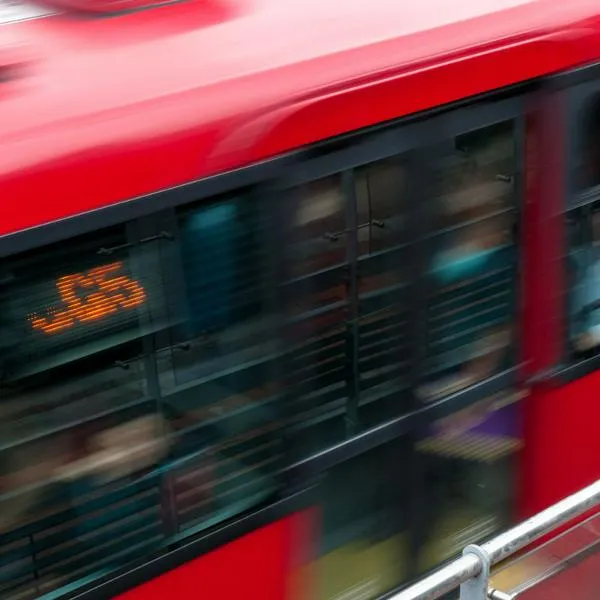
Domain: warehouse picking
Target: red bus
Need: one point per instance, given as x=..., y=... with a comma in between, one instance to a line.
x=297, y=299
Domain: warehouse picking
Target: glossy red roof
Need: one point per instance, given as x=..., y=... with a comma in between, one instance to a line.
x=116, y=107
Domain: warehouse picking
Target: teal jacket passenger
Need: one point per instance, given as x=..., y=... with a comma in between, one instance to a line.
x=471, y=305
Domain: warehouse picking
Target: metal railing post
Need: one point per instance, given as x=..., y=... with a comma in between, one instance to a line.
x=476, y=588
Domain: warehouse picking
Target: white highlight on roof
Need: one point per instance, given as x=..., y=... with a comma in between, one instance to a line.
x=12, y=11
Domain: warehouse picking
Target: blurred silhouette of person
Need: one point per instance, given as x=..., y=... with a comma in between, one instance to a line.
x=477, y=332
x=121, y=450
x=25, y=473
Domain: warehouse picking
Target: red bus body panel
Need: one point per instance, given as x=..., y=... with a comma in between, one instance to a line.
x=125, y=106
x=258, y=566
x=563, y=442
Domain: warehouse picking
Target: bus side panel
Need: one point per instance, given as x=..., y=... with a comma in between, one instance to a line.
x=257, y=566
x=563, y=442
x=543, y=300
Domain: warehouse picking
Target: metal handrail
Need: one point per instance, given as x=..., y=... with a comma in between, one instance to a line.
x=473, y=566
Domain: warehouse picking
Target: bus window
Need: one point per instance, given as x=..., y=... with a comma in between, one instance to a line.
x=469, y=461
x=365, y=544
x=383, y=355
x=583, y=226
x=218, y=371
x=472, y=276
x=584, y=263
x=225, y=319
x=73, y=318
x=319, y=237
x=345, y=302
x=78, y=420
x=316, y=306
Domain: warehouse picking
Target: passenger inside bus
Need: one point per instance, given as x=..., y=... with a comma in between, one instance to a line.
x=472, y=275
x=24, y=472
x=73, y=415
x=471, y=328
x=120, y=450
x=29, y=473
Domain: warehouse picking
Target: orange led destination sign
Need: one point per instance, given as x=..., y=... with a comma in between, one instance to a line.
x=90, y=296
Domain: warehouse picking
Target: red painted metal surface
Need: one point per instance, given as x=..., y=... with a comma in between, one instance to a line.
x=564, y=442
x=120, y=107
x=543, y=283
x=258, y=566
x=579, y=581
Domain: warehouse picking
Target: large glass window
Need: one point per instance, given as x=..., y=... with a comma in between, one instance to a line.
x=467, y=458
x=354, y=287
x=468, y=462
x=364, y=547
x=80, y=434
x=139, y=390
x=219, y=365
x=583, y=260
x=472, y=279
x=344, y=302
